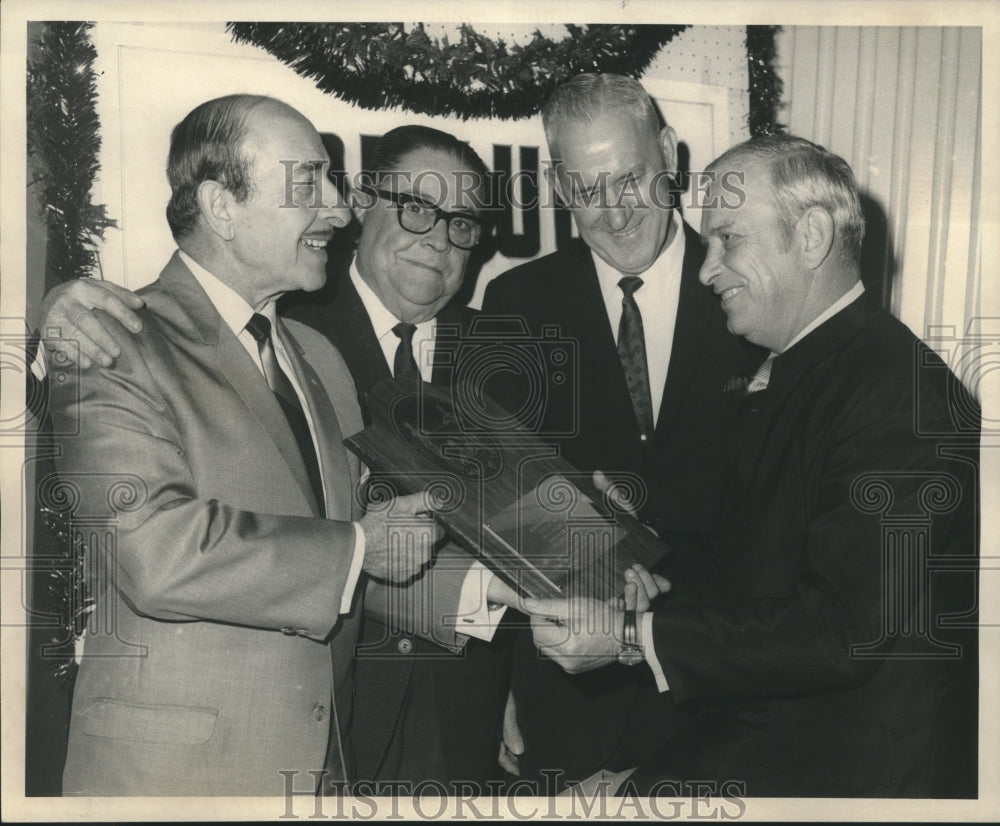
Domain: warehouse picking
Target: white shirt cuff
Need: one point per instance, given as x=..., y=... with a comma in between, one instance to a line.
x=650, y=652
x=354, y=574
x=476, y=618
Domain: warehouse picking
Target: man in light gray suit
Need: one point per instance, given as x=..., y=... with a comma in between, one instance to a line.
x=238, y=544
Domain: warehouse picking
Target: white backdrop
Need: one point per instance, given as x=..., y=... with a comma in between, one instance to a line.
x=151, y=76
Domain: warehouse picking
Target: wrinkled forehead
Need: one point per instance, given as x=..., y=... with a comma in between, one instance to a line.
x=439, y=178
x=738, y=193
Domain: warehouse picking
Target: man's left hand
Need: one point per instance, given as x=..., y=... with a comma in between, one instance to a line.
x=580, y=633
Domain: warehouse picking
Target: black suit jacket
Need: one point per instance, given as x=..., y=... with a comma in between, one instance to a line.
x=823, y=665
x=421, y=712
x=580, y=724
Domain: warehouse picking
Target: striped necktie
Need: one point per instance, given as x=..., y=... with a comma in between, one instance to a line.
x=762, y=377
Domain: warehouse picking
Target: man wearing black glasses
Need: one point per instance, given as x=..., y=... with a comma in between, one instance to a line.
x=421, y=712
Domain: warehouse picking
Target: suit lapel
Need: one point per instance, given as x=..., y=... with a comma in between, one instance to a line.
x=453, y=324
x=330, y=440
x=238, y=368
x=355, y=338
x=694, y=308
x=587, y=320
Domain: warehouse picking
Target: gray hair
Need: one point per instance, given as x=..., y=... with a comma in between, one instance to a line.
x=804, y=175
x=208, y=145
x=586, y=96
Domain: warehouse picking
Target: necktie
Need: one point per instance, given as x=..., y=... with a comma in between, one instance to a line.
x=632, y=352
x=762, y=377
x=405, y=366
x=260, y=328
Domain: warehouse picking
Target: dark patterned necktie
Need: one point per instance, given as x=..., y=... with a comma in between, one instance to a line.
x=260, y=328
x=405, y=366
x=632, y=352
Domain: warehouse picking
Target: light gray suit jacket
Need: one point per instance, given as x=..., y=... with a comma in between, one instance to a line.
x=216, y=656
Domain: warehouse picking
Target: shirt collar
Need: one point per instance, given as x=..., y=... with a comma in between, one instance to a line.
x=381, y=318
x=669, y=261
x=846, y=299
x=233, y=308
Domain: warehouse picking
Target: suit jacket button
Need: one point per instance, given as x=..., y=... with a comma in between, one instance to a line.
x=319, y=712
x=405, y=646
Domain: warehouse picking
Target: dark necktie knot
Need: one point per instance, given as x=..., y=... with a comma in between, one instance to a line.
x=629, y=284
x=404, y=331
x=405, y=365
x=259, y=326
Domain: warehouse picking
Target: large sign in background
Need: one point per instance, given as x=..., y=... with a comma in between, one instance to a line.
x=151, y=76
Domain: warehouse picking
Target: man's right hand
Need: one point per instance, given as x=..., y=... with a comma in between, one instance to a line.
x=68, y=309
x=399, y=538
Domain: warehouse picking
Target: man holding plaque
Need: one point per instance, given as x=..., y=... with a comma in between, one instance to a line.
x=653, y=362
x=422, y=711
x=829, y=662
x=220, y=650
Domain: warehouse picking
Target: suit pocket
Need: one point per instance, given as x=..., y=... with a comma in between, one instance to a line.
x=130, y=722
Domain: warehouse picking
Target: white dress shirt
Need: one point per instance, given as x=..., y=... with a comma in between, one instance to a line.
x=236, y=312
x=657, y=300
x=475, y=617
x=383, y=321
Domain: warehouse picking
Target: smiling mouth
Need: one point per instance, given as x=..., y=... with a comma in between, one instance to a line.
x=423, y=266
x=625, y=233
x=315, y=243
x=728, y=294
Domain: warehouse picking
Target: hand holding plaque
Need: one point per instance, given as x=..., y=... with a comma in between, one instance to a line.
x=501, y=493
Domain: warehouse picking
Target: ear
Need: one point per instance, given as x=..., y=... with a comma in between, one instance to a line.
x=214, y=202
x=668, y=143
x=816, y=231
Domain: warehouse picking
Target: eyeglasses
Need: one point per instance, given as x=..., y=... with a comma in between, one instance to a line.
x=419, y=217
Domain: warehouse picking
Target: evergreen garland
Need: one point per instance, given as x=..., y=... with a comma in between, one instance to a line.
x=63, y=145
x=765, y=85
x=63, y=132
x=379, y=65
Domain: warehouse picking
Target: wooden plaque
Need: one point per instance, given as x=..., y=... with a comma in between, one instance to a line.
x=500, y=492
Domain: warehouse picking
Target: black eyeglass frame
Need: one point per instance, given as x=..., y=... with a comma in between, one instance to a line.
x=400, y=199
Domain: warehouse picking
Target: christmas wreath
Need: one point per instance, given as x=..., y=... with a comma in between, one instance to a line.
x=379, y=65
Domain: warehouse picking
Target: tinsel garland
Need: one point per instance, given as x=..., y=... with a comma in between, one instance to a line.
x=63, y=145
x=67, y=589
x=765, y=85
x=379, y=65
x=64, y=141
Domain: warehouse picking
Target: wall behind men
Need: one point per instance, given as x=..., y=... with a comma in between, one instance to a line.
x=150, y=76
x=903, y=105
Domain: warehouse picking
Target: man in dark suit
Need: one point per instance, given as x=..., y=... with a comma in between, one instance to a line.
x=631, y=277
x=828, y=662
x=219, y=652
x=423, y=711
